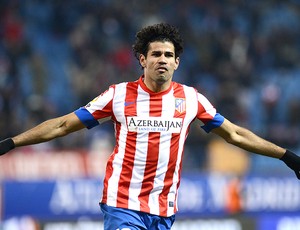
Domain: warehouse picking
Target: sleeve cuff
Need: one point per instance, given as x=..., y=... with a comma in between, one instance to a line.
x=86, y=117
x=216, y=122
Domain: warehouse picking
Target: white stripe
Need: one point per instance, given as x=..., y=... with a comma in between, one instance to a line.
x=140, y=154
x=118, y=102
x=207, y=105
x=191, y=111
x=101, y=101
x=191, y=104
x=168, y=109
x=118, y=108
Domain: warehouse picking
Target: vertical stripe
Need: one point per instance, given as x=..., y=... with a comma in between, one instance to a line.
x=146, y=177
x=114, y=163
x=206, y=110
x=155, y=204
x=142, y=110
x=191, y=111
x=109, y=168
x=130, y=147
x=152, y=154
x=167, y=197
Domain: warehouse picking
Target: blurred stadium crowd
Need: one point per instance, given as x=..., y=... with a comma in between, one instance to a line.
x=55, y=56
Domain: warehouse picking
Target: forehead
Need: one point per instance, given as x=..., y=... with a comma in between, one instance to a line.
x=163, y=46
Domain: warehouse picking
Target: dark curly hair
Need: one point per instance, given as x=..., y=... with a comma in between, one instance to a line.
x=157, y=32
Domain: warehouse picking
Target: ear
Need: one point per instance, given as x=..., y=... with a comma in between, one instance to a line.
x=177, y=60
x=142, y=60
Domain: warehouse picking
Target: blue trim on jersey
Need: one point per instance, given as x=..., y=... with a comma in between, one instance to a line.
x=86, y=117
x=216, y=122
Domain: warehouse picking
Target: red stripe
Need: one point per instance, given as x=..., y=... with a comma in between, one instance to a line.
x=107, y=109
x=109, y=168
x=128, y=161
x=105, y=112
x=152, y=155
x=202, y=114
x=174, y=147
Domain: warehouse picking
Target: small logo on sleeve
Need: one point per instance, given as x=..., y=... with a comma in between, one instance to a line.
x=127, y=103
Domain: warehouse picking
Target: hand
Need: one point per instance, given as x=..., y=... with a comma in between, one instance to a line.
x=292, y=161
x=6, y=145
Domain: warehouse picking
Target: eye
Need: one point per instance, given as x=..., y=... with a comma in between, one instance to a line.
x=169, y=55
x=156, y=54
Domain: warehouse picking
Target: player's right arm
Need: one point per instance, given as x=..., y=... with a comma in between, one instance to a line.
x=43, y=132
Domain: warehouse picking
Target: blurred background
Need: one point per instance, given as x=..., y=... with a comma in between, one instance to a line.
x=56, y=56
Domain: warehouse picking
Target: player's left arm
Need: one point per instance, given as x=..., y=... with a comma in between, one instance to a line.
x=251, y=142
x=247, y=140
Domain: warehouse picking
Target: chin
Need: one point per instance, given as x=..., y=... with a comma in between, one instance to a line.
x=162, y=79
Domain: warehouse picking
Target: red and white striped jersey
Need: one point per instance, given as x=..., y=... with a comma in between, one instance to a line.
x=143, y=172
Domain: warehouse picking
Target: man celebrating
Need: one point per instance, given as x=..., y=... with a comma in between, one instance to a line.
x=152, y=117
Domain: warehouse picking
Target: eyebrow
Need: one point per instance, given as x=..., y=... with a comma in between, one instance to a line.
x=159, y=52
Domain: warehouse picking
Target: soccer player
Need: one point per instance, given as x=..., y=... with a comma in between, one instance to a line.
x=152, y=116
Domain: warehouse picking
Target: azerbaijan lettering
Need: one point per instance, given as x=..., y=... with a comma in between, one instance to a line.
x=154, y=124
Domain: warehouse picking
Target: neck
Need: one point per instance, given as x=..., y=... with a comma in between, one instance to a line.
x=155, y=86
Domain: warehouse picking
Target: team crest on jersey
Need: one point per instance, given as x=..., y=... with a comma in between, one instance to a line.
x=180, y=104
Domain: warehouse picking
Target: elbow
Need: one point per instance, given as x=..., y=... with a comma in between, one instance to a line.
x=230, y=141
x=62, y=133
x=233, y=139
x=61, y=129
x=64, y=130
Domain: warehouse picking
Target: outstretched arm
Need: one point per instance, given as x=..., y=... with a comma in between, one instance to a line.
x=249, y=141
x=43, y=132
x=49, y=130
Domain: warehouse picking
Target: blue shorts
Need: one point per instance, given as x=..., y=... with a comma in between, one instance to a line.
x=125, y=219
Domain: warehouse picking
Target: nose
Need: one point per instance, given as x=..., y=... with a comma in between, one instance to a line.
x=162, y=59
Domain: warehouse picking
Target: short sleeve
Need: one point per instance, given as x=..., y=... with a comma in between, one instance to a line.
x=98, y=110
x=216, y=122
x=86, y=117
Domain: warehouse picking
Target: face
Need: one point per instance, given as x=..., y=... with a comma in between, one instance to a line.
x=159, y=65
